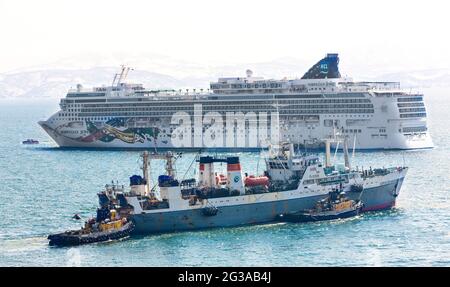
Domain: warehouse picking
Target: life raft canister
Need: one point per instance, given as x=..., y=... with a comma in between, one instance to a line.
x=256, y=181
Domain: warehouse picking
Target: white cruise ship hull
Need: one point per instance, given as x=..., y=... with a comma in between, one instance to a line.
x=363, y=140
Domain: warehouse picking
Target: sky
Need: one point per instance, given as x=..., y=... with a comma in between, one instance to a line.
x=398, y=34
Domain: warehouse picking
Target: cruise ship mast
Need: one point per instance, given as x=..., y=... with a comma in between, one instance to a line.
x=120, y=77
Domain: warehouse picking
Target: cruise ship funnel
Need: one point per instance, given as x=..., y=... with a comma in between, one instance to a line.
x=327, y=68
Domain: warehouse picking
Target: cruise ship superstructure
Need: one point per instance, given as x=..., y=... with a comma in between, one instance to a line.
x=373, y=115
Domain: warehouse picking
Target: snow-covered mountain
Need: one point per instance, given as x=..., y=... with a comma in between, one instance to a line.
x=159, y=72
x=156, y=72
x=422, y=78
x=56, y=82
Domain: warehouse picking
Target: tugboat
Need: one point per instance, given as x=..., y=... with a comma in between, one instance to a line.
x=30, y=141
x=335, y=206
x=108, y=225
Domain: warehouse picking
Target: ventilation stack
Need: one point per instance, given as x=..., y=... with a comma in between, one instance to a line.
x=234, y=175
x=206, y=174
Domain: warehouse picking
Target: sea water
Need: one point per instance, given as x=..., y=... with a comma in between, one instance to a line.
x=42, y=186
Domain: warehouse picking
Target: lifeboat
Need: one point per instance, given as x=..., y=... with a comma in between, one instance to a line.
x=256, y=180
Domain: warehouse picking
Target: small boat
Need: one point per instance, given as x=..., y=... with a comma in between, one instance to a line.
x=335, y=206
x=30, y=141
x=95, y=230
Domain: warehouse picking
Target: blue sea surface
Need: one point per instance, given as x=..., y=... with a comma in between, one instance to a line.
x=42, y=186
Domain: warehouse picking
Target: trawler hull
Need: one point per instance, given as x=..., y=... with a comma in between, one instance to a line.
x=375, y=198
x=227, y=216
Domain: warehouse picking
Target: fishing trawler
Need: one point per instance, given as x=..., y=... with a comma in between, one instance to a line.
x=380, y=115
x=291, y=183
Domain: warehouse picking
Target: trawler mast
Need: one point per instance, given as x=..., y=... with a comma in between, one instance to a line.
x=337, y=139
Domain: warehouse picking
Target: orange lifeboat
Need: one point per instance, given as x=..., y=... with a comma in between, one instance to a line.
x=256, y=180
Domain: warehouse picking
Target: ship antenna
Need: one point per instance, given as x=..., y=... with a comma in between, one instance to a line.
x=145, y=164
x=114, y=80
x=335, y=139
x=327, y=153
x=354, y=146
x=335, y=152
x=127, y=69
x=346, y=159
x=126, y=73
x=121, y=75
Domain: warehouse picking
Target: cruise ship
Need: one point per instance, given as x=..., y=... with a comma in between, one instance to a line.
x=243, y=113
